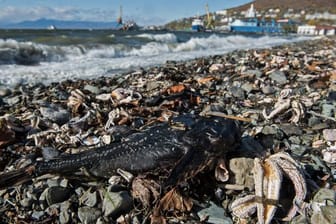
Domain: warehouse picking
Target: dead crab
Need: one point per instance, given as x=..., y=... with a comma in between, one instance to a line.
x=268, y=176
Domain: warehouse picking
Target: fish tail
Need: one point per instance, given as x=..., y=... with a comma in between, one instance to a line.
x=16, y=177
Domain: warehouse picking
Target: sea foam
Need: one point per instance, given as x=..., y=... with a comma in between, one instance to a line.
x=55, y=63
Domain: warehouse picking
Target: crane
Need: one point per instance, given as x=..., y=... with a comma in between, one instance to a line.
x=210, y=20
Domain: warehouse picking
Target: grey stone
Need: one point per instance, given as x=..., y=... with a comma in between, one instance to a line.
x=269, y=130
x=268, y=90
x=64, y=217
x=53, y=182
x=92, y=89
x=37, y=215
x=49, y=153
x=88, y=215
x=295, y=140
x=152, y=85
x=290, y=129
x=312, y=121
x=247, y=87
x=89, y=199
x=57, y=194
x=328, y=110
x=242, y=172
x=214, y=214
x=27, y=202
x=256, y=73
x=329, y=134
x=56, y=114
x=325, y=194
x=320, y=126
x=116, y=202
x=237, y=92
x=278, y=77
x=327, y=215
x=4, y=91
x=12, y=100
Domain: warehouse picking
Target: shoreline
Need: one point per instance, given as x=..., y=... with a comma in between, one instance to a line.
x=284, y=96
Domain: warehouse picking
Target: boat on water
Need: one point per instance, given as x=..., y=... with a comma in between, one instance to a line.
x=197, y=25
x=254, y=25
x=51, y=27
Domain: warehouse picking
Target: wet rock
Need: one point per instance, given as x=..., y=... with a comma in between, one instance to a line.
x=278, y=77
x=325, y=195
x=54, y=182
x=312, y=121
x=116, y=202
x=327, y=215
x=214, y=215
x=332, y=96
x=328, y=110
x=269, y=130
x=49, y=153
x=12, y=100
x=247, y=87
x=329, y=155
x=57, y=194
x=256, y=73
x=64, y=216
x=320, y=126
x=268, y=90
x=300, y=219
x=89, y=199
x=242, y=172
x=329, y=134
x=237, y=92
x=27, y=202
x=88, y=215
x=37, y=215
x=216, y=68
x=290, y=129
x=92, y=89
x=55, y=114
x=4, y=91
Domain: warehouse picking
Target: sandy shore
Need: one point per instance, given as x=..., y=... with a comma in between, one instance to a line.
x=284, y=99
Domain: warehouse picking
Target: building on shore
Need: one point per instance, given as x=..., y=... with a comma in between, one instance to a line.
x=316, y=30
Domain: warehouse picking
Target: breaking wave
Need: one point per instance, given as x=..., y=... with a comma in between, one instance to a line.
x=55, y=63
x=163, y=38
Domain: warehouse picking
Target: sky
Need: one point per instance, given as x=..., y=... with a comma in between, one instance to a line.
x=144, y=12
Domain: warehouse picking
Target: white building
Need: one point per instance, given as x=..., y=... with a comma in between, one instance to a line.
x=306, y=30
x=316, y=30
x=221, y=12
x=251, y=12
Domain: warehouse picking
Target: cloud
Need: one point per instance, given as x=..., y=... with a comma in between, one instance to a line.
x=12, y=14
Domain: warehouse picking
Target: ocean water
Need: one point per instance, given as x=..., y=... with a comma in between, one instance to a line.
x=31, y=56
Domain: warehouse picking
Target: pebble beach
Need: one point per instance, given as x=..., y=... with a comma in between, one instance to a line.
x=283, y=97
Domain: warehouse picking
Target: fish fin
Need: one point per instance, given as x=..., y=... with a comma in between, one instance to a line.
x=16, y=177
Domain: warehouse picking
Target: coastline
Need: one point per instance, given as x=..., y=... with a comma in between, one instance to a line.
x=250, y=86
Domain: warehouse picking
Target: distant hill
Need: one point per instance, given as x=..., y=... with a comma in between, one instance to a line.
x=60, y=24
x=307, y=5
x=290, y=8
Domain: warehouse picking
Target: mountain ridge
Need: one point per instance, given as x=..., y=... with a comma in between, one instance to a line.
x=44, y=23
x=308, y=5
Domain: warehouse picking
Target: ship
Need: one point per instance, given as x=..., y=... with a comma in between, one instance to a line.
x=254, y=25
x=197, y=25
x=51, y=27
x=128, y=25
x=251, y=24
